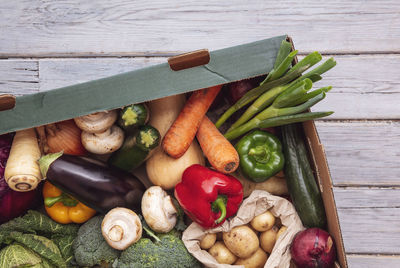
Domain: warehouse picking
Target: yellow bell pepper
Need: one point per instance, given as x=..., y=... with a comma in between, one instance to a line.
x=63, y=208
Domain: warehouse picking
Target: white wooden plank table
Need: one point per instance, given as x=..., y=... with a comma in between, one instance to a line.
x=48, y=44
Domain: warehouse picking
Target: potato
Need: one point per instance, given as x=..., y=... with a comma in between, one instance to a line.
x=208, y=241
x=257, y=260
x=263, y=222
x=242, y=241
x=281, y=231
x=268, y=239
x=221, y=253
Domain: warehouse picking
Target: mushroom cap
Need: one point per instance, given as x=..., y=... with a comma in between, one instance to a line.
x=121, y=227
x=96, y=122
x=103, y=143
x=158, y=210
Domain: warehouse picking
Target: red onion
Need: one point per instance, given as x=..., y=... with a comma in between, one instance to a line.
x=12, y=204
x=313, y=248
x=238, y=89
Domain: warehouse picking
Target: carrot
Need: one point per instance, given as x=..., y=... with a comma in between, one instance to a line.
x=218, y=150
x=181, y=133
x=22, y=171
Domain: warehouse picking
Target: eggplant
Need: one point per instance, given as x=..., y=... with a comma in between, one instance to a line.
x=93, y=183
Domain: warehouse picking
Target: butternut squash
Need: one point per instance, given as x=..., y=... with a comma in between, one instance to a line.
x=162, y=169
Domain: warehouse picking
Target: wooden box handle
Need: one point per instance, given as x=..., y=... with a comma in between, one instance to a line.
x=7, y=102
x=189, y=60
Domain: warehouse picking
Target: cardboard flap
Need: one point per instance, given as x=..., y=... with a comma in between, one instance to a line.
x=225, y=65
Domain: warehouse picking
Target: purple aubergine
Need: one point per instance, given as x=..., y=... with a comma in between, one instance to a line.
x=93, y=183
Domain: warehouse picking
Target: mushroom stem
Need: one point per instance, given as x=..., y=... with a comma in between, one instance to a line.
x=103, y=134
x=169, y=207
x=116, y=233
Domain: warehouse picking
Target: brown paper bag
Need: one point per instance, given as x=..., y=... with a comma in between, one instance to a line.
x=257, y=203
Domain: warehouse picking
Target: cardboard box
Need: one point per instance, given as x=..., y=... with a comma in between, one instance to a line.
x=182, y=74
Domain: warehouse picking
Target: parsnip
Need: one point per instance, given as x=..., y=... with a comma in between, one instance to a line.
x=22, y=171
x=274, y=185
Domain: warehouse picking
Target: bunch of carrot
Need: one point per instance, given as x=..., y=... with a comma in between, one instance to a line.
x=192, y=122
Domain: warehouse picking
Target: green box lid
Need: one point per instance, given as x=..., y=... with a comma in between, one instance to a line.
x=225, y=65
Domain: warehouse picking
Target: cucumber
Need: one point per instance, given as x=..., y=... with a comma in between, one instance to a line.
x=136, y=148
x=302, y=186
x=133, y=116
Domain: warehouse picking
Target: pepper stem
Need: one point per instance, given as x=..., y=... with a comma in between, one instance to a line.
x=65, y=199
x=220, y=205
x=260, y=153
x=46, y=160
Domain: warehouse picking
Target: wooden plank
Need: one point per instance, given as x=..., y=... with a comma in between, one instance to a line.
x=362, y=152
x=19, y=76
x=365, y=197
x=369, y=219
x=361, y=85
x=370, y=230
x=373, y=261
x=126, y=27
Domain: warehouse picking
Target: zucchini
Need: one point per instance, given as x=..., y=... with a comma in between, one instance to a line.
x=136, y=148
x=302, y=186
x=133, y=116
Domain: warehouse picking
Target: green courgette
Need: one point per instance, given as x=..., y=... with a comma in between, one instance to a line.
x=302, y=186
x=136, y=148
x=133, y=116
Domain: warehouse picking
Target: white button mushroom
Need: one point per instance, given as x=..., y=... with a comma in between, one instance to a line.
x=121, y=227
x=103, y=143
x=99, y=136
x=96, y=122
x=158, y=210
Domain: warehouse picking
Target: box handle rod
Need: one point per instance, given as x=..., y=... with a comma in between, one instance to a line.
x=189, y=60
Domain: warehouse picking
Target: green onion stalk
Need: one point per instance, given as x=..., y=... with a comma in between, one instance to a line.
x=292, y=101
x=268, y=97
x=293, y=74
x=274, y=122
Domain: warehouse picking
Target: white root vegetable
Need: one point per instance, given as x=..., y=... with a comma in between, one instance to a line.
x=241, y=240
x=158, y=210
x=22, y=171
x=222, y=254
x=121, y=227
x=208, y=241
x=162, y=169
x=263, y=222
x=274, y=185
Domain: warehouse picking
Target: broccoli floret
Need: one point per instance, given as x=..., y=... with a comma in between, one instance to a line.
x=90, y=248
x=169, y=251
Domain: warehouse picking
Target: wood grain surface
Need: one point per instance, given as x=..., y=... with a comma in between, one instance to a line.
x=126, y=27
x=48, y=44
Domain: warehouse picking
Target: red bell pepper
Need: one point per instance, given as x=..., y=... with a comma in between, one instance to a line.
x=208, y=197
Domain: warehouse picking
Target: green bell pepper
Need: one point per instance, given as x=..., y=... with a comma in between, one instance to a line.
x=260, y=154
